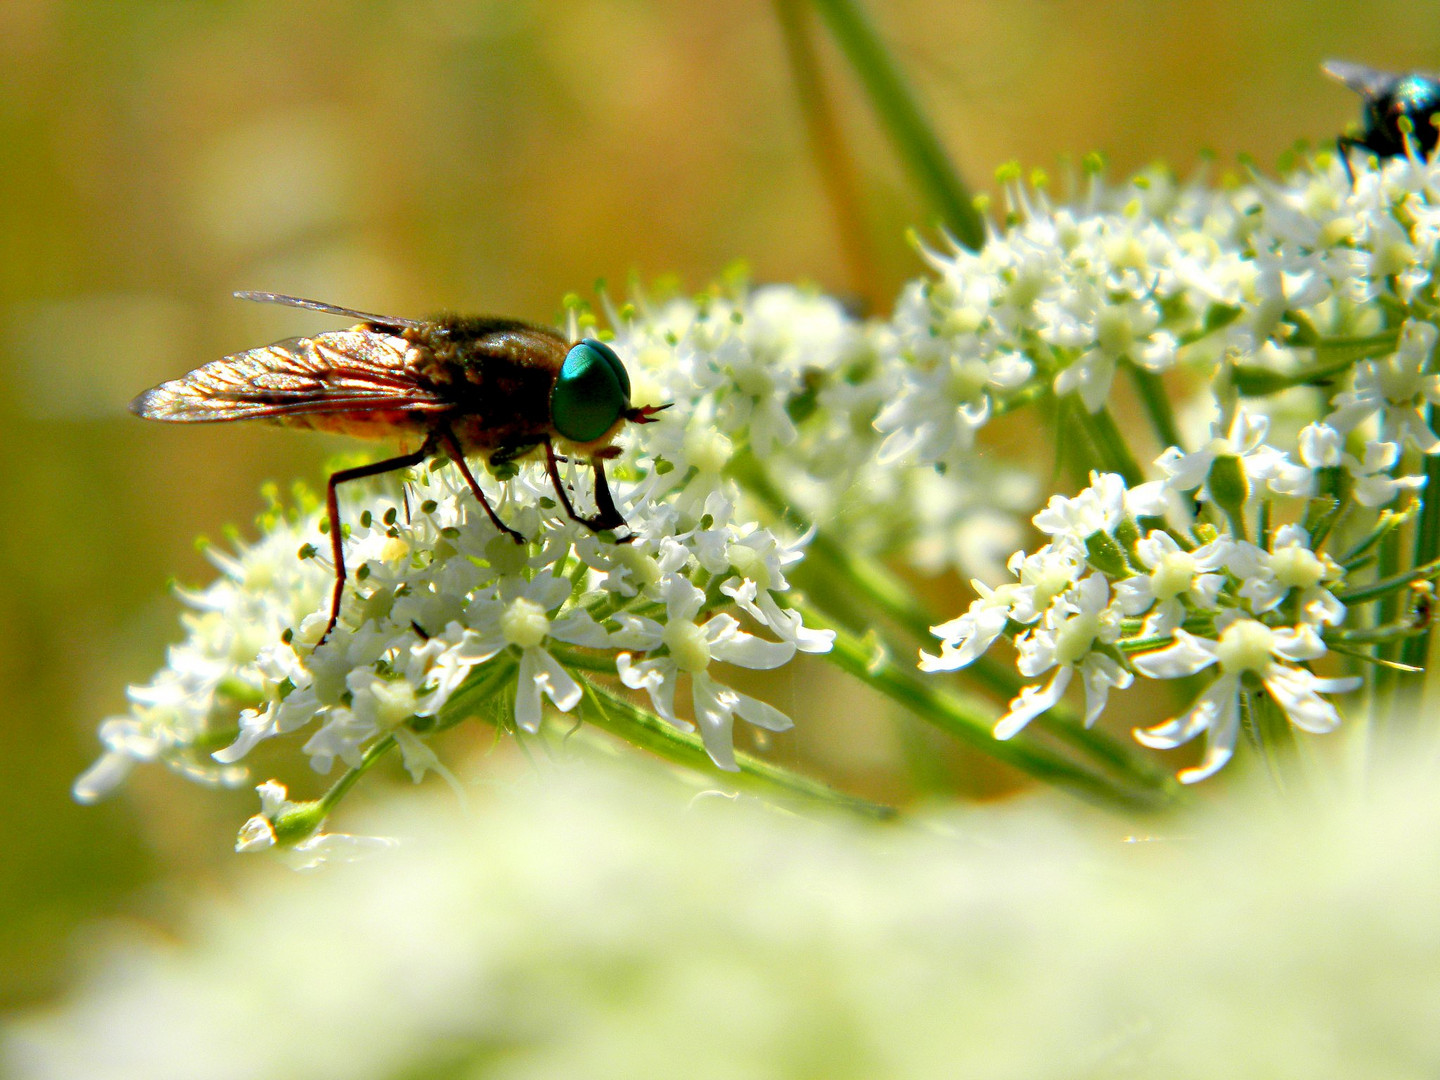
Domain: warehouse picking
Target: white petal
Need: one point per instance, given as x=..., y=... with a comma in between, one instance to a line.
x=527, y=693
x=762, y=715
x=102, y=778
x=1294, y=690
x=1297, y=643
x=747, y=650
x=1188, y=655
x=1203, y=713
x=1100, y=673
x=658, y=678
x=1031, y=702
x=579, y=628
x=713, y=712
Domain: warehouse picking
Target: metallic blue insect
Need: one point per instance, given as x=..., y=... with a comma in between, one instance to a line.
x=1394, y=106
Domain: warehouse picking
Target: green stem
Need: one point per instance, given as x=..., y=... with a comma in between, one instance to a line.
x=971, y=720
x=1383, y=343
x=1258, y=382
x=641, y=728
x=1152, y=393
x=837, y=167
x=1110, y=445
x=900, y=114
x=1390, y=584
x=1416, y=651
x=1386, y=677
x=377, y=750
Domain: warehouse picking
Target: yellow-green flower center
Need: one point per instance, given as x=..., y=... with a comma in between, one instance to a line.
x=707, y=449
x=1245, y=646
x=749, y=563
x=1173, y=576
x=395, y=703
x=967, y=379
x=1075, y=637
x=1296, y=567
x=524, y=623
x=1050, y=583
x=1114, y=331
x=687, y=644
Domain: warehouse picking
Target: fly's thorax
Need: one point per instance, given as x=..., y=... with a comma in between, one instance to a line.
x=496, y=373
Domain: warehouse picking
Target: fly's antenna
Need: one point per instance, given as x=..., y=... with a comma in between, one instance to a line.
x=328, y=309
x=645, y=414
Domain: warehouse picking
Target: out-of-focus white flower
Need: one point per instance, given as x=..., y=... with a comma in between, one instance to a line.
x=1398, y=388
x=720, y=938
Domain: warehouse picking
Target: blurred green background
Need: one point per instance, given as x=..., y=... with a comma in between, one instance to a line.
x=407, y=157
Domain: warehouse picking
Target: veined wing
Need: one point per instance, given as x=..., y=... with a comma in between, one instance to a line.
x=1365, y=81
x=348, y=371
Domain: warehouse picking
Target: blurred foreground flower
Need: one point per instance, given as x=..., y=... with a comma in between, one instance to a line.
x=598, y=923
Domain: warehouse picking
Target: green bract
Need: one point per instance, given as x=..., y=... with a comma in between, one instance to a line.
x=592, y=392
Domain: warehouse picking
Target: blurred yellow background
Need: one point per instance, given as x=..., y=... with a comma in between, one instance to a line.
x=488, y=157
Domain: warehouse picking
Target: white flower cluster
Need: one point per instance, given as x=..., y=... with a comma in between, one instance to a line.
x=1257, y=289
x=1098, y=598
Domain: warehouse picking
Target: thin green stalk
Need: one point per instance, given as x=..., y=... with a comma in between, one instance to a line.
x=972, y=722
x=899, y=112
x=643, y=729
x=1152, y=393
x=1387, y=567
x=1416, y=651
x=1259, y=382
x=836, y=165
x=1389, y=585
x=1110, y=445
x=377, y=750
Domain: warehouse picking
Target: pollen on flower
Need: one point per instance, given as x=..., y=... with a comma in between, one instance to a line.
x=396, y=702
x=394, y=550
x=750, y=564
x=1076, y=637
x=707, y=449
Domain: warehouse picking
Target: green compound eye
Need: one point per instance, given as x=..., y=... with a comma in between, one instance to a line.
x=592, y=392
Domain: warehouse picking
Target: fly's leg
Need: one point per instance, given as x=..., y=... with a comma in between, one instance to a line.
x=1343, y=143
x=446, y=437
x=332, y=507
x=608, y=517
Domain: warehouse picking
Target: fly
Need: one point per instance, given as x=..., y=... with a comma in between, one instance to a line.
x=460, y=384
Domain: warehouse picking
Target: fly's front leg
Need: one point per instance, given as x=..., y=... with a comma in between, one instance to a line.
x=608, y=517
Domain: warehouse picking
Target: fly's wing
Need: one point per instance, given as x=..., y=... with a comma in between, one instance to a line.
x=1365, y=81
x=348, y=371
